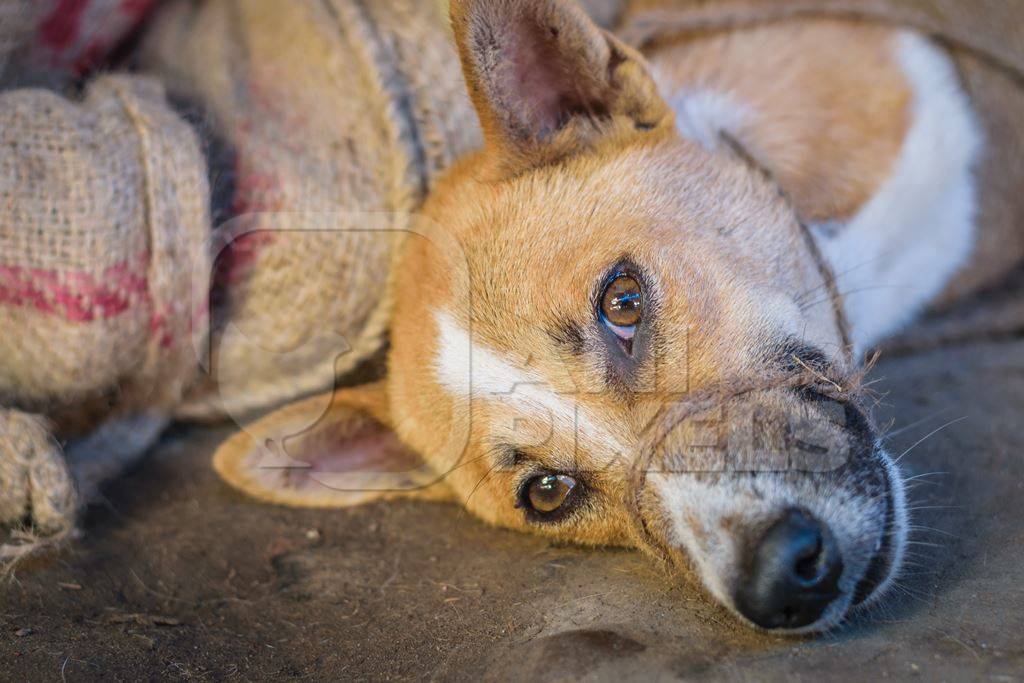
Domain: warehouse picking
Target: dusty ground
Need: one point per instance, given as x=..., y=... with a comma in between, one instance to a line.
x=178, y=577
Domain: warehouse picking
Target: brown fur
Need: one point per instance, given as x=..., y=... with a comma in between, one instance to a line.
x=986, y=39
x=829, y=141
x=582, y=166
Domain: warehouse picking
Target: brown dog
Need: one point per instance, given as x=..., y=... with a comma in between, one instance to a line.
x=636, y=316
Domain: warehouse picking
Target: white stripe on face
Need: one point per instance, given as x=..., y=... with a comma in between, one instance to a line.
x=472, y=370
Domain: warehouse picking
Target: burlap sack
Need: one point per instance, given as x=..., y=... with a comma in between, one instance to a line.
x=33, y=475
x=339, y=113
x=985, y=37
x=18, y=19
x=103, y=272
x=54, y=40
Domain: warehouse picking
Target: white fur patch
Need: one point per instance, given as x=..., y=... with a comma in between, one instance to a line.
x=686, y=501
x=702, y=114
x=469, y=369
x=908, y=240
x=901, y=525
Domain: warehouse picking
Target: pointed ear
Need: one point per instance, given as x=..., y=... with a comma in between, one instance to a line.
x=546, y=82
x=331, y=450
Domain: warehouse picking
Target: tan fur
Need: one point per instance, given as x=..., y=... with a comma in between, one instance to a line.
x=830, y=140
x=582, y=166
x=517, y=228
x=984, y=37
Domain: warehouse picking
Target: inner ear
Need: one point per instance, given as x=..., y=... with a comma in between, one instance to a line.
x=546, y=81
x=356, y=444
x=333, y=450
x=544, y=76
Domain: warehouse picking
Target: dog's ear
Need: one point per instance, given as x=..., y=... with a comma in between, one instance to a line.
x=546, y=82
x=331, y=450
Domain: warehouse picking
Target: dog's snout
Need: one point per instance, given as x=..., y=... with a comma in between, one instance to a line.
x=792, y=573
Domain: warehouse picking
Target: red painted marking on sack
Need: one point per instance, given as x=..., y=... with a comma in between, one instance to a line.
x=137, y=9
x=91, y=57
x=61, y=27
x=254, y=193
x=79, y=297
x=236, y=262
x=158, y=328
x=79, y=35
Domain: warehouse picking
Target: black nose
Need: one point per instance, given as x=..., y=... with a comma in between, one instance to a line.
x=792, y=573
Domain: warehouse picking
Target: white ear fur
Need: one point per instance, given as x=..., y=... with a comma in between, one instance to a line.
x=331, y=450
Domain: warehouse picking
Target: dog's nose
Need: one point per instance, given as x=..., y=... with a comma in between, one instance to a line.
x=792, y=573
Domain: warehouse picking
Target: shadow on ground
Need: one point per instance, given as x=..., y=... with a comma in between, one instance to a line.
x=179, y=577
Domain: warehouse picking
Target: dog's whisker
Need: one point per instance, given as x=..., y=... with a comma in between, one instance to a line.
x=931, y=529
x=926, y=437
x=488, y=473
x=916, y=423
x=917, y=485
x=925, y=474
x=464, y=464
x=839, y=274
x=920, y=596
x=859, y=290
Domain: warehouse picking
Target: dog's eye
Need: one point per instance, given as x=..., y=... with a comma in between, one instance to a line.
x=622, y=305
x=547, y=493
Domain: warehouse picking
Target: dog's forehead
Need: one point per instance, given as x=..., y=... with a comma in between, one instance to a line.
x=559, y=227
x=535, y=250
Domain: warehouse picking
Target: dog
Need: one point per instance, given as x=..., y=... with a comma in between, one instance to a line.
x=640, y=314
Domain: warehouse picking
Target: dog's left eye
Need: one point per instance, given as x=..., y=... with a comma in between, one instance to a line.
x=622, y=304
x=547, y=493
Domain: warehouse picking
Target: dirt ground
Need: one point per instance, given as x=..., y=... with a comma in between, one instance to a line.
x=178, y=577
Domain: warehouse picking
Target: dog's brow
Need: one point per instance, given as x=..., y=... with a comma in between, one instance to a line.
x=792, y=353
x=506, y=456
x=569, y=336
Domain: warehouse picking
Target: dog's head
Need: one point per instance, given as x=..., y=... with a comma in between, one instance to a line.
x=609, y=335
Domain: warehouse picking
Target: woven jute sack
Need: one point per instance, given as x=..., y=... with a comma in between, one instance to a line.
x=18, y=19
x=338, y=115
x=47, y=40
x=104, y=268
